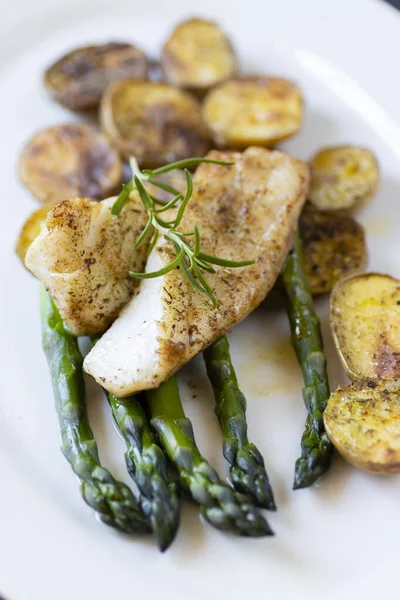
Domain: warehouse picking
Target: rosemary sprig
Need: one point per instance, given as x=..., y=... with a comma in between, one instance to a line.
x=189, y=258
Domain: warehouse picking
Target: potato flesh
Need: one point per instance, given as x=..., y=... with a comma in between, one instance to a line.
x=198, y=55
x=66, y=161
x=253, y=111
x=333, y=247
x=365, y=322
x=79, y=79
x=154, y=122
x=343, y=178
x=363, y=422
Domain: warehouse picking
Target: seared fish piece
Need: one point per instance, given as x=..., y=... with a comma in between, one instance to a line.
x=83, y=256
x=248, y=211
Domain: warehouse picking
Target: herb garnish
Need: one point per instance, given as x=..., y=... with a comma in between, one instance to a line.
x=189, y=257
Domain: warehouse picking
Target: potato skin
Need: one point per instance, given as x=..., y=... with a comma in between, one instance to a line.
x=363, y=422
x=253, y=110
x=153, y=121
x=31, y=229
x=343, y=178
x=365, y=324
x=198, y=55
x=79, y=79
x=334, y=247
x=65, y=161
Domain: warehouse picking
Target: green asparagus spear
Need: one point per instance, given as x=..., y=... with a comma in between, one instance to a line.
x=221, y=506
x=147, y=465
x=247, y=468
x=316, y=448
x=113, y=501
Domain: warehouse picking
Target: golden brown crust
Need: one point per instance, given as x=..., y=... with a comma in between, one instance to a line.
x=365, y=323
x=344, y=178
x=234, y=206
x=79, y=79
x=198, y=55
x=65, y=161
x=84, y=255
x=253, y=110
x=154, y=122
x=334, y=247
x=363, y=422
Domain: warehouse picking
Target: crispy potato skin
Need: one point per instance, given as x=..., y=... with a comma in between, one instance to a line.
x=253, y=110
x=343, y=178
x=31, y=229
x=83, y=256
x=154, y=122
x=79, y=79
x=198, y=55
x=363, y=422
x=365, y=323
x=65, y=161
x=334, y=247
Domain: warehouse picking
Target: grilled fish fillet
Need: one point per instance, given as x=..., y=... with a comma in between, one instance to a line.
x=248, y=211
x=83, y=256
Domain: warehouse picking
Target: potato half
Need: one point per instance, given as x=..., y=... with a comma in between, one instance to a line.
x=66, y=161
x=333, y=247
x=198, y=55
x=343, y=178
x=153, y=121
x=363, y=422
x=79, y=79
x=253, y=110
x=365, y=323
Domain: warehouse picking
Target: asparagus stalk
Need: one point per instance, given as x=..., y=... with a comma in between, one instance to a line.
x=247, y=469
x=113, y=501
x=220, y=505
x=316, y=448
x=147, y=465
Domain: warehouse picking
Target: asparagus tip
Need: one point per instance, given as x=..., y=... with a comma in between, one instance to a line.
x=164, y=512
x=229, y=510
x=307, y=472
x=249, y=477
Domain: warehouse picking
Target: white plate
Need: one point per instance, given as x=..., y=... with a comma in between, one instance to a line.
x=336, y=540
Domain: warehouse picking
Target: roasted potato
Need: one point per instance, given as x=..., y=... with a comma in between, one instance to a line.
x=153, y=121
x=31, y=229
x=363, y=421
x=253, y=110
x=79, y=79
x=343, y=178
x=333, y=247
x=71, y=160
x=365, y=323
x=198, y=55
